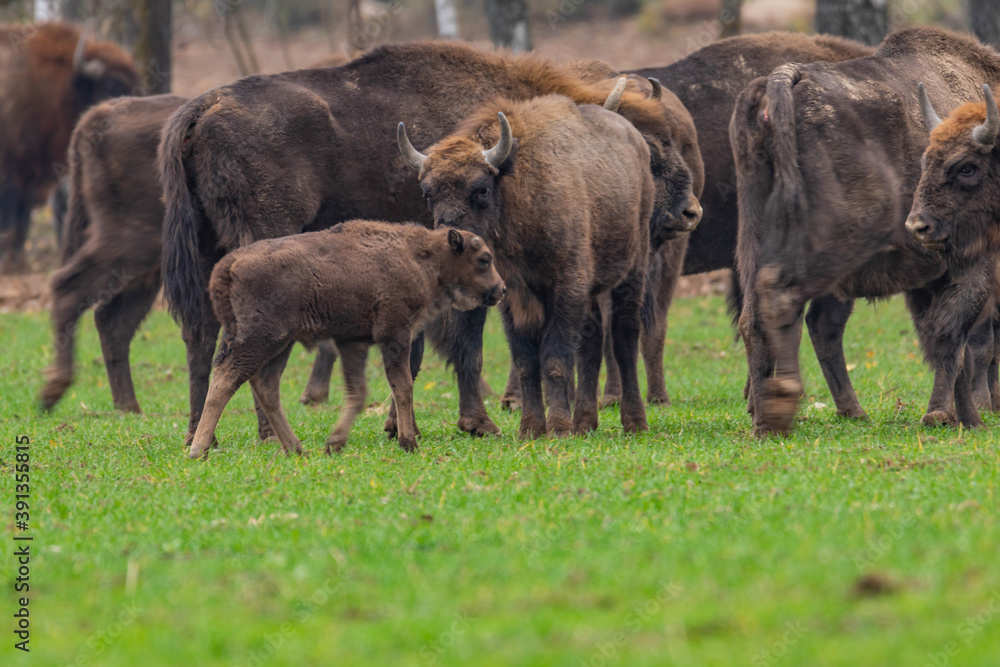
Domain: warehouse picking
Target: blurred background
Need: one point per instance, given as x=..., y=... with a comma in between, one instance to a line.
x=188, y=46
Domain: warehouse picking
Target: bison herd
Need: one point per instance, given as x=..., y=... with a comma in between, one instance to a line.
x=816, y=168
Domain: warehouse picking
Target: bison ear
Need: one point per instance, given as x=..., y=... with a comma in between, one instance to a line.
x=507, y=166
x=456, y=241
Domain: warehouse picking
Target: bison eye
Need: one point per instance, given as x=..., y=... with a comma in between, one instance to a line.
x=481, y=193
x=485, y=261
x=968, y=171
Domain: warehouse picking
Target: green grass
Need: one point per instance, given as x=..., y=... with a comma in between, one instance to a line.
x=694, y=544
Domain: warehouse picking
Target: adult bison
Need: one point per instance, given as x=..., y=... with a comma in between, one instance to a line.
x=563, y=194
x=708, y=82
x=111, y=245
x=827, y=156
x=274, y=155
x=955, y=209
x=49, y=75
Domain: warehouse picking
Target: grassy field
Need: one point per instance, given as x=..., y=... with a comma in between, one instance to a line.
x=694, y=544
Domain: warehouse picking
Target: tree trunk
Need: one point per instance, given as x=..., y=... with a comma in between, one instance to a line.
x=447, y=19
x=984, y=18
x=863, y=20
x=509, y=24
x=730, y=18
x=152, y=45
x=46, y=10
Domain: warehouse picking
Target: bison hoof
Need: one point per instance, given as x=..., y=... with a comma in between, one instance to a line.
x=939, y=418
x=530, y=430
x=610, y=399
x=478, y=425
x=778, y=411
x=584, y=423
x=335, y=443
x=854, y=412
x=53, y=391
x=390, y=427
x=635, y=424
x=658, y=398
x=510, y=402
x=408, y=443
x=198, y=451
x=311, y=398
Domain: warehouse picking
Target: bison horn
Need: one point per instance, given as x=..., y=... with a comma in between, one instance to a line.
x=657, y=88
x=411, y=155
x=615, y=98
x=986, y=134
x=931, y=119
x=78, y=53
x=498, y=154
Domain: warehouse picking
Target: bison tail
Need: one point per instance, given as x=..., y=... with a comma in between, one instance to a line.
x=184, y=273
x=219, y=290
x=787, y=202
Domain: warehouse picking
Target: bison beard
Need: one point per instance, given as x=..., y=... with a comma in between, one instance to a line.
x=819, y=222
x=36, y=120
x=231, y=175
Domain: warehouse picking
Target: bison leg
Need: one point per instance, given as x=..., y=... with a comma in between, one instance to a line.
x=781, y=310
x=317, y=390
x=395, y=355
x=353, y=356
x=117, y=322
x=199, y=338
x=980, y=349
x=760, y=364
x=525, y=357
x=15, y=217
x=511, y=399
x=416, y=358
x=944, y=318
x=993, y=371
x=660, y=288
x=626, y=299
x=826, y=320
x=266, y=385
x=557, y=353
x=613, y=379
x=239, y=360
x=589, y=358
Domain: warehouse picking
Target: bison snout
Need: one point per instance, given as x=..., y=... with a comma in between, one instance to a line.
x=692, y=214
x=920, y=228
x=494, y=294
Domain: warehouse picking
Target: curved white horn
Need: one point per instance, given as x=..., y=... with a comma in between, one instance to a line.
x=986, y=134
x=931, y=119
x=411, y=155
x=496, y=155
x=615, y=98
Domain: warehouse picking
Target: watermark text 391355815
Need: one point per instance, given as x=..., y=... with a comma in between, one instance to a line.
x=22, y=541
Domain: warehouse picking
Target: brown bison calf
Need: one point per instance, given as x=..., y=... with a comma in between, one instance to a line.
x=360, y=283
x=564, y=193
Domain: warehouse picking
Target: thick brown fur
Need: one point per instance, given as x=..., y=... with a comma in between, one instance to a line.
x=41, y=98
x=361, y=283
x=827, y=155
x=568, y=214
x=231, y=175
x=707, y=83
x=111, y=245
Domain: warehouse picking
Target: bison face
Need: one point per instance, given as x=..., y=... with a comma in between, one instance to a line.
x=460, y=180
x=676, y=210
x=96, y=78
x=955, y=207
x=476, y=281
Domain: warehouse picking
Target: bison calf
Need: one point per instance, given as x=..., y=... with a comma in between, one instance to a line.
x=360, y=283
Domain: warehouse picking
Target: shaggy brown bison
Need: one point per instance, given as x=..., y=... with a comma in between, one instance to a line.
x=955, y=209
x=274, y=155
x=827, y=156
x=49, y=75
x=563, y=194
x=708, y=82
x=111, y=245
x=361, y=283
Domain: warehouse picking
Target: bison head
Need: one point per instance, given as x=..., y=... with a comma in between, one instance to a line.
x=101, y=71
x=460, y=180
x=955, y=207
x=474, y=278
x=676, y=210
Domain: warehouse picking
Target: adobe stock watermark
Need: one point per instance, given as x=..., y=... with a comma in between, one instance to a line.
x=608, y=652
x=794, y=631
x=967, y=631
